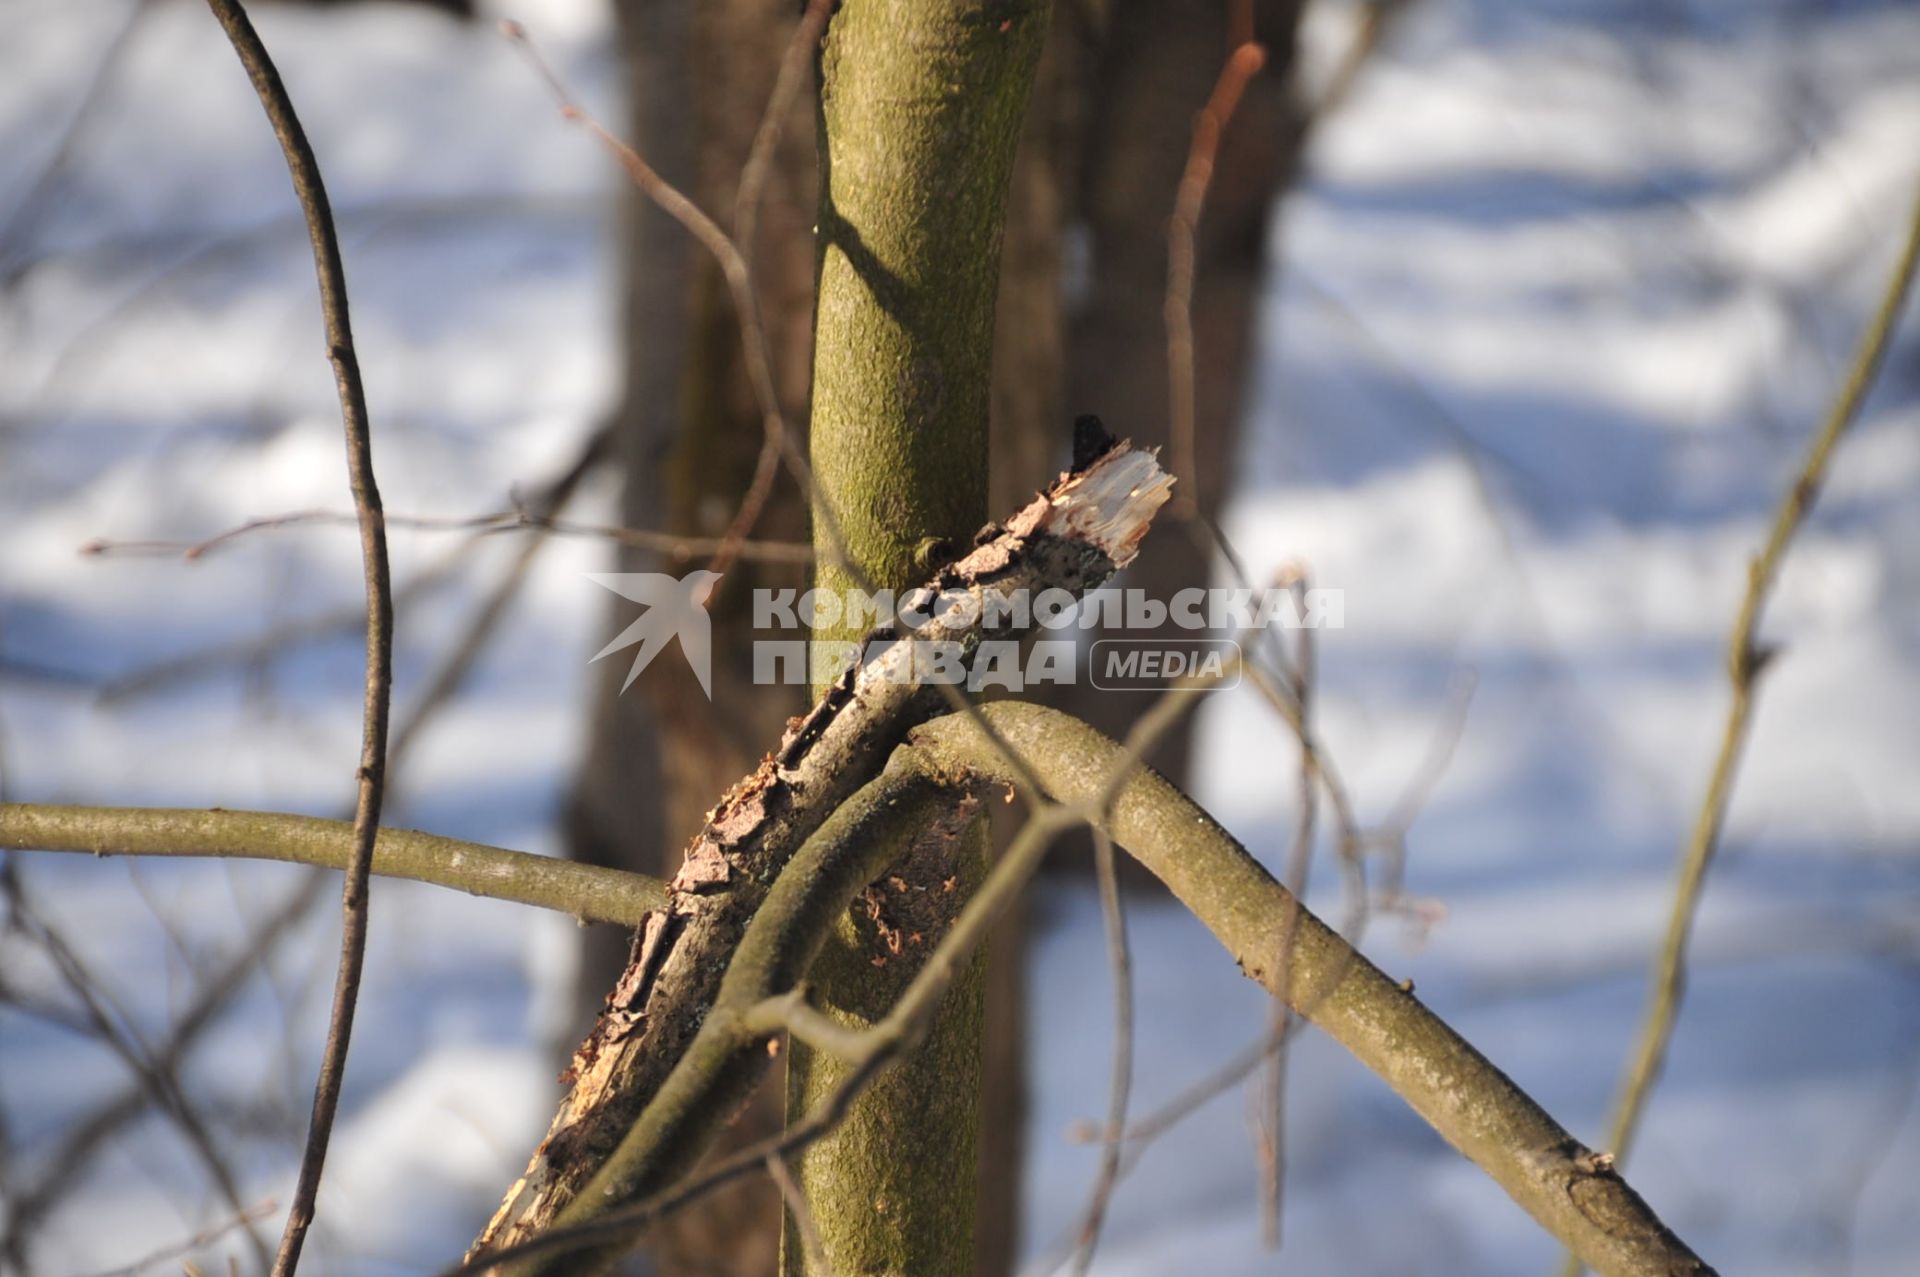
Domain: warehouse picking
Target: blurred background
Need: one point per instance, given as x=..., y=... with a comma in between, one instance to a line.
x=1514, y=329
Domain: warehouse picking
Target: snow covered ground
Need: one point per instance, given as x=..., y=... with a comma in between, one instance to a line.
x=1565, y=291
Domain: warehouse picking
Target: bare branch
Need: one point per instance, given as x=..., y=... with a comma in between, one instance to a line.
x=548, y=500
x=755, y=1002
x=1389, y=840
x=1573, y=1192
x=796, y=1202
x=589, y=892
x=1120, y=1086
x=159, y=1084
x=64, y=1167
x=1273, y=1160
x=1071, y=537
x=21, y=221
x=205, y=1237
x=1746, y=658
x=1244, y=63
x=679, y=548
x=779, y=441
x=479, y=628
x=304, y=169
x=786, y=89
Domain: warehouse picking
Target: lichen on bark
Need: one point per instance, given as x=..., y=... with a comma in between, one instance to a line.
x=920, y=112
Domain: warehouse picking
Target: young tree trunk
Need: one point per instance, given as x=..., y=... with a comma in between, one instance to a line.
x=1105, y=135
x=920, y=113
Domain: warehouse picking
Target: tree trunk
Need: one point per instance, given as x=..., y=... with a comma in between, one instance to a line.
x=1153, y=66
x=689, y=433
x=920, y=113
x=1104, y=138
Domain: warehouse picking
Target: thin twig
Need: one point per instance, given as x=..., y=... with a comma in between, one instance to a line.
x=1349, y=841
x=1241, y=66
x=1071, y=537
x=787, y=84
x=548, y=500
x=679, y=548
x=479, y=628
x=869, y=1051
x=66, y=1165
x=203, y=1238
x=1746, y=658
x=1389, y=840
x=1571, y=1191
x=803, y=1220
x=1223, y=1078
x=1882, y=1139
x=1377, y=17
x=1271, y=1044
x=623, y=900
x=746, y=215
x=779, y=442
x=112, y=1026
x=1277, y=686
x=304, y=170
x=1273, y=1160
x=1120, y=961
x=253, y=651
x=1484, y=1117
x=17, y=228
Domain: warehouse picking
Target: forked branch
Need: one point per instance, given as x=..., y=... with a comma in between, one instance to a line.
x=1573, y=1192
x=1071, y=538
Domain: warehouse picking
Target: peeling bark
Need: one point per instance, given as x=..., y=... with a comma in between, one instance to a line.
x=1074, y=536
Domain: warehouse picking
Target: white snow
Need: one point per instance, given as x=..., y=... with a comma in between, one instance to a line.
x=1557, y=308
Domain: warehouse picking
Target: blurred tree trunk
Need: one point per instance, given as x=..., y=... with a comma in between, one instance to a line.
x=699, y=77
x=1146, y=69
x=1103, y=145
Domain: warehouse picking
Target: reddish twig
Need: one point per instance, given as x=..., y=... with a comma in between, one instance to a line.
x=1244, y=63
x=786, y=87
x=779, y=443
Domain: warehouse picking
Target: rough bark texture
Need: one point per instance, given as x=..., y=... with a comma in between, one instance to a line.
x=1084, y=239
x=920, y=113
x=1072, y=537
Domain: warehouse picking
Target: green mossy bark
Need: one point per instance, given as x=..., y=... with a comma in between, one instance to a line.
x=920, y=113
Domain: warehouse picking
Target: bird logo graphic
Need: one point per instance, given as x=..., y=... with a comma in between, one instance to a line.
x=675, y=608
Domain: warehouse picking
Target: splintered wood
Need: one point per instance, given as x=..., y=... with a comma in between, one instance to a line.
x=1071, y=537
